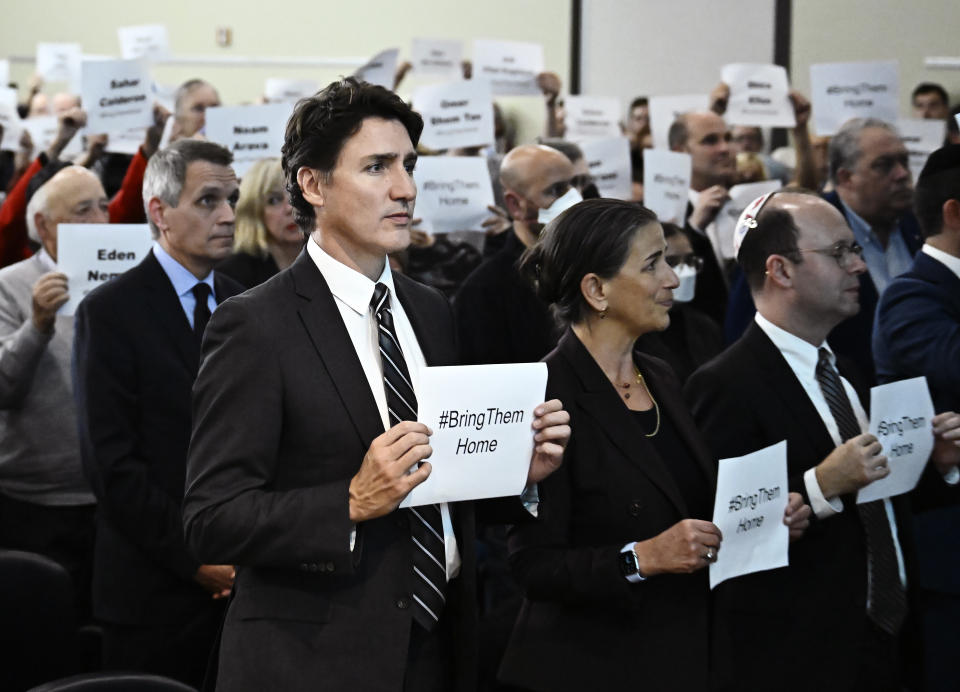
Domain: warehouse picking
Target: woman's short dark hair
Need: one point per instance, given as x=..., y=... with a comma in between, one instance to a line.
x=321, y=124
x=593, y=236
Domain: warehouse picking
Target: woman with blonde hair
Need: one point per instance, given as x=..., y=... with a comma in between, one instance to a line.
x=267, y=238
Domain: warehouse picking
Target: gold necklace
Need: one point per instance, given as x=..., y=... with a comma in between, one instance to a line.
x=656, y=406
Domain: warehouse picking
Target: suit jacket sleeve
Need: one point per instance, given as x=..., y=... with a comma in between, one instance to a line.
x=233, y=511
x=105, y=375
x=127, y=205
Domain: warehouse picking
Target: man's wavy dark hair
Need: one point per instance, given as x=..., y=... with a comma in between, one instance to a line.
x=321, y=125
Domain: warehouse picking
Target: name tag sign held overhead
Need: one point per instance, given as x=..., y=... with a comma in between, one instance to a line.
x=381, y=70
x=281, y=90
x=482, y=440
x=759, y=95
x=117, y=95
x=666, y=183
x=591, y=117
x=453, y=193
x=437, y=57
x=748, y=510
x=511, y=67
x=149, y=42
x=91, y=254
x=60, y=62
x=840, y=91
x=10, y=120
x=665, y=109
x=609, y=163
x=455, y=115
x=921, y=137
x=901, y=415
x=250, y=133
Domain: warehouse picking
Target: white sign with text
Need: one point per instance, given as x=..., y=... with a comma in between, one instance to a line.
x=381, y=69
x=60, y=62
x=665, y=109
x=437, y=57
x=10, y=120
x=280, y=90
x=453, y=193
x=845, y=90
x=592, y=117
x=91, y=254
x=250, y=133
x=921, y=137
x=901, y=416
x=750, y=502
x=511, y=67
x=609, y=164
x=43, y=130
x=666, y=184
x=148, y=41
x=481, y=418
x=759, y=95
x=455, y=115
x=117, y=95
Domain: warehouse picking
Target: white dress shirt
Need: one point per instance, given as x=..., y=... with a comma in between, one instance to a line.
x=352, y=292
x=802, y=358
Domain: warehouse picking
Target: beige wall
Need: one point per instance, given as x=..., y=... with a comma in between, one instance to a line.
x=909, y=31
x=298, y=28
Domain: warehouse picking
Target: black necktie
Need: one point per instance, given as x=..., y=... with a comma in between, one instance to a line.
x=887, y=602
x=201, y=311
x=426, y=527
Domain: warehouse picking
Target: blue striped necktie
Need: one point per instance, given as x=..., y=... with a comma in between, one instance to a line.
x=426, y=527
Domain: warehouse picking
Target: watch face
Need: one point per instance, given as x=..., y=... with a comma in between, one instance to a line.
x=628, y=563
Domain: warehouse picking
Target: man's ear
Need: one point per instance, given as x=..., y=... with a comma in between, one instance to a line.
x=309, y=181
x=513, y=203
x=951, y=214
x=157, y=209
x=779, y=270
x=843, y=176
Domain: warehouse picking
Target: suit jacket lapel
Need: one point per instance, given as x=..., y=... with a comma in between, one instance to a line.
x=600, y=402
x=324, y=325
x=434, y=352
x=165, y=307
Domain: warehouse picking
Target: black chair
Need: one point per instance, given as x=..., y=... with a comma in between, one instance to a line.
x=37, y=636
x=114, y=682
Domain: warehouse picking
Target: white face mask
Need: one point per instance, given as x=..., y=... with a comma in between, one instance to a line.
x=688, y=282
x=560, y=205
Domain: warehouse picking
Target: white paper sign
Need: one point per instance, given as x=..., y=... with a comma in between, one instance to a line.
x=117, y=95
x=758, y=95
x=282, y=90
x=511, y=67
x=382, y=69
x=60, y=62
x=437, y=57
x=901, y=415
x=10, y=120
x=748, y=510
x=43, y=130
x=4, y=74
x=482, y=441
x=90, y=254
x=609, y=164
x=592, y=117
x=957, y=118
x=726, y=222
x=666, y=184
x=251, y=133
x=455, y=115
x=840, y=91
x=148, y=42
x=921, y=137
x=453, y=193
x=665, y=109
x=127, y=141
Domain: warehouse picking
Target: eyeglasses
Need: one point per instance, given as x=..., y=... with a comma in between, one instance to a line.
x=690, y=260
x=842, y=252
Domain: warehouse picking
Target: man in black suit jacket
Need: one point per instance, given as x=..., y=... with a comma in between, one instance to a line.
x=812, y=619
x=298, y=461
x=136, y=354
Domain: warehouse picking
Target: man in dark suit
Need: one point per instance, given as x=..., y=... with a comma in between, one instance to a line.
x=136, y=354
x=833, y=619
x=917, y=333
x=304, y=438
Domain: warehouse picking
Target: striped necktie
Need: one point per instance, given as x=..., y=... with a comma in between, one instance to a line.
x=886, y=600
x=426, y=527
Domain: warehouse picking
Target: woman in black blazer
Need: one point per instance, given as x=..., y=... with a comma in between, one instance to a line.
x=613, y=571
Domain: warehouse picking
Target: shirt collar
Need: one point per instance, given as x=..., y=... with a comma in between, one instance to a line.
x=952, y=263
x=348, y=285
x=44, y=258
x=181, y=278
x=802, y=353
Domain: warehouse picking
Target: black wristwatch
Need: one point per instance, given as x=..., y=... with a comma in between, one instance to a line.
x=630, y=565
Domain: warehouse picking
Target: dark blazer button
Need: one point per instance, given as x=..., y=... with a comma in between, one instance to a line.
x=403, y=603
x=635, y=508
x=314, y=567
x=330, y=567
x=304, y=566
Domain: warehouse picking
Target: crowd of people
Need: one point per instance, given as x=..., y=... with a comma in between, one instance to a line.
x=214, y=448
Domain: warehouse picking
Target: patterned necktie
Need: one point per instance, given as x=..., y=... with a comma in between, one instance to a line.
x=887, y=602
x=201, y=311
x=426, y=527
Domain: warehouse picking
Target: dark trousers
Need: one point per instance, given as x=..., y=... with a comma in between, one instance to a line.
x=179, y=651
x=878, y=662
x=63, y=533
